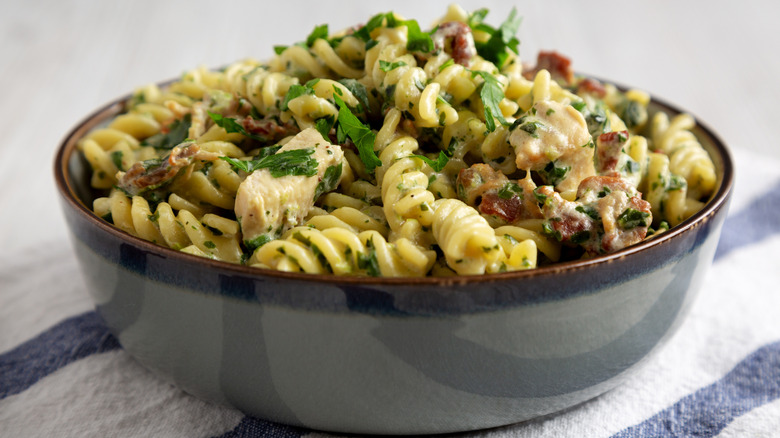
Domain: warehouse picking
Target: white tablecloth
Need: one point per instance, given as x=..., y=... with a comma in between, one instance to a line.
x=61, y=374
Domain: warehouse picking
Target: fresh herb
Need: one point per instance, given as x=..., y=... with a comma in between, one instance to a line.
x=364, y=33
x=676, y=182
x=359, y=133
x=510, y=190
x=369, y=261
x=491, y=93
x=324, y=125
x=549, y=231
x=417, y=40
x=329, y=180
x=116, y=158
x=296, y=90
x=580, y=237
x=297, y=162
x=257, y=242
x=320, y=31
x=438, y=164
x=177, y=133
x=447, y=64
x=358, y=90
x=632, y=166
x=632, y=113
x=553, y=174
x=632, y=218
x=589, y=211
x=209, y=244
x=231, y=125
x=501, y=39
x=386, y=66
x=529, y=127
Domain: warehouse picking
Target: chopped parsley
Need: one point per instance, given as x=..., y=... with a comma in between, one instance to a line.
x=329, y=180
x=320, y=31
x=257, y=242
x=360, y=134
x=438, y=164
x=501, y=39
x=369, y=261
x=632, y=218
x=491, y=93
x=177, y=133
x=553, y=174
x=231, y=125
x=297, y=162
x=510, y=190
x=386, y=66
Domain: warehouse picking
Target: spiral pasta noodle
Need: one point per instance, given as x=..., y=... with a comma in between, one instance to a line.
x=390, y=150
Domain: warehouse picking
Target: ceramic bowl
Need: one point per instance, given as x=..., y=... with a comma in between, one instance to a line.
x=390, y=356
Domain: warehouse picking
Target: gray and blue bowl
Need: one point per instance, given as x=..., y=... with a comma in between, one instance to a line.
x=382, y=355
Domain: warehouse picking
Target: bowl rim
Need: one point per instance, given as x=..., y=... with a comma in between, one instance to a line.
x=68, y=146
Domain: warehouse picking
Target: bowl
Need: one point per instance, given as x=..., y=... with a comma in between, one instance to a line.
x=383, y=355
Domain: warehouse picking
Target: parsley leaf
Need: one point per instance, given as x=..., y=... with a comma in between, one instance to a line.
x=329, y=180
x=297, y=162
x=501, y=39
x=510, y=190
x=438, y=164
x=320, y=31
x=369, y=261
x=491, y=95
x=295, y=90
x=632, y=218
x=364, y=33
x=361, y=135
x=358, y=90
x=386, y=66
x=552, y=174
x=232, y=125
x=324, y=125
x=177, y=133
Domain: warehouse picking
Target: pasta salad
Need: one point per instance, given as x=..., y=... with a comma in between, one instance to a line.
x=390, y=150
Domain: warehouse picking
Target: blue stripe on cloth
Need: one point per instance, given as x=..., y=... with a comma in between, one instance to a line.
x=753, y=382
x=760, y=219
x=250, y=427
x=66, y=342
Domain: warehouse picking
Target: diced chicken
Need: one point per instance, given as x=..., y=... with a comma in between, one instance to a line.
x=267, y=206
x=148, y=175
x=608, y=215
x=493, y=194
x=553, y=139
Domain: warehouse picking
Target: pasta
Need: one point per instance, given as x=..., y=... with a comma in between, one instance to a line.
x=388, y=150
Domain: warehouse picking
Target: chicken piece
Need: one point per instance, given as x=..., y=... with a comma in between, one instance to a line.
x=553, y=139
x=493, y=194
x=608, y=215
x=267, y=206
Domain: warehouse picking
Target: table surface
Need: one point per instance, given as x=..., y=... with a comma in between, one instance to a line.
x=63, y=59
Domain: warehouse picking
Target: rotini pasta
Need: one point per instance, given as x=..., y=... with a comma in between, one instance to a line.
x=388, y=150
